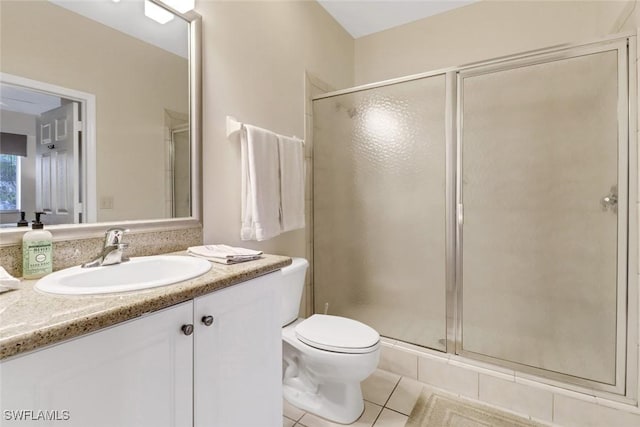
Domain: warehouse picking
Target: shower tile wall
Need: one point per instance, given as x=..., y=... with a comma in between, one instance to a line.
x=505, y=389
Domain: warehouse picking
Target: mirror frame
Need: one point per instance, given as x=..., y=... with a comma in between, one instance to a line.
x=12, y=237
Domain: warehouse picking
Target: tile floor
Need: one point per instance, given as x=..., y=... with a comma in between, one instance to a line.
x=389, y=399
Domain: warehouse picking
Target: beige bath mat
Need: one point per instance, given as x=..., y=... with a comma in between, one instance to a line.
x=435, y=410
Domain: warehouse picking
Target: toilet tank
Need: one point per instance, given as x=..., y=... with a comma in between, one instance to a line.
x=292, y=286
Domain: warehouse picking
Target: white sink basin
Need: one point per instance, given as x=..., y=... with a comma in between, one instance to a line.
x=138, y=273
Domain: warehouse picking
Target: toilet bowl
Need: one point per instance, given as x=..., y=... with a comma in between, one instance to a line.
x=325, y=358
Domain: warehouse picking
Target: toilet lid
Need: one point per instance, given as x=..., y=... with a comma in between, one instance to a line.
x=337, y=334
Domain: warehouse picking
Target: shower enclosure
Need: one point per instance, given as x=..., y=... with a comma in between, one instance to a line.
x=180, y=173
x=483, y=211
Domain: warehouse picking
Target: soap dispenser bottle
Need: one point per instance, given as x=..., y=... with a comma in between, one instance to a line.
x=37, y=251
x=23, y=222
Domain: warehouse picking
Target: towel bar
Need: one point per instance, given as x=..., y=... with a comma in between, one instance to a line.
x=234, y=127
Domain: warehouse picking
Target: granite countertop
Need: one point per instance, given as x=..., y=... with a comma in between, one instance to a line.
x=30, y=319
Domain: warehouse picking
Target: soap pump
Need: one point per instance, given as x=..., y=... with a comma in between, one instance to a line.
x=37, y=251
x=23, y=222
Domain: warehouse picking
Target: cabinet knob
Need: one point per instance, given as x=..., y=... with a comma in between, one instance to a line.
x=187, y=329
x=207, y=320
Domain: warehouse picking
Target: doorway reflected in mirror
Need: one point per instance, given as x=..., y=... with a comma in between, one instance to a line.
x=138, y=77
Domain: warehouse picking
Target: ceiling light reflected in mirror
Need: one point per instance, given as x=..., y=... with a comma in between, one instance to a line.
x=155, y=12
x=182, y=6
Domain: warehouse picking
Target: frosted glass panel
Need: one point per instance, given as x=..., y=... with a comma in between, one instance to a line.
x=379, y=209
x=539, y=154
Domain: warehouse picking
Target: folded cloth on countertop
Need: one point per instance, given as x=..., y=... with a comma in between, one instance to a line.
x=224, y=254
x=7, y=281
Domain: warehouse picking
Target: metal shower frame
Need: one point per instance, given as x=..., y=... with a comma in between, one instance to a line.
x=627, y=340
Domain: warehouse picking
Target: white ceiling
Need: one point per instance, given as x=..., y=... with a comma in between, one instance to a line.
x=364, y=17
x=20, y=100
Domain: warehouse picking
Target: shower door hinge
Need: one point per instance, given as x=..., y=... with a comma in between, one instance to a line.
x=460, y=213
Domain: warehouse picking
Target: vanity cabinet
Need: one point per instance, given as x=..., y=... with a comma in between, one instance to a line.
x=238, y=358
x=137, y=373
x=213, y=362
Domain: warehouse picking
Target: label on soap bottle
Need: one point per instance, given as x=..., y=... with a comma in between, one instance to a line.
x=36, y=259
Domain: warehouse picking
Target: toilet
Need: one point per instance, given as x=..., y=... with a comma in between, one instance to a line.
x=324, y=357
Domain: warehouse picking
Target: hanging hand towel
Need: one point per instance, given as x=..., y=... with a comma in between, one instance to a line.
x=291, y=183
x=260, y=184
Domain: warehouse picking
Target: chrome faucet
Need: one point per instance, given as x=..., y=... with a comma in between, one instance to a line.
x=113, y=250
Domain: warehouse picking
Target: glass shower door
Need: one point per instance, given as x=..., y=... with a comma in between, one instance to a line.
x=379, y=209
x=543, y=193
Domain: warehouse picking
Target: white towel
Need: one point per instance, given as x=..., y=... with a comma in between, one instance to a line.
x=224, y=254
x=260, y=184
x=291, y=183
x=7, y=281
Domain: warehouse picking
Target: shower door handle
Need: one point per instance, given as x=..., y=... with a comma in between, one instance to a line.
x=460, y=214
x=610, y=200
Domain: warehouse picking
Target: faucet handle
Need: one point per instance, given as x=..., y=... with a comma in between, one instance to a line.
x=121, y=248
x=113, y=236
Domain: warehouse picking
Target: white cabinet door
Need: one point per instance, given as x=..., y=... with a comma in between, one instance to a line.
x=136, y=374
x=238, y=359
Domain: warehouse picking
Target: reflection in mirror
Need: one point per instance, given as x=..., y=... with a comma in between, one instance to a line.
x=94, y=112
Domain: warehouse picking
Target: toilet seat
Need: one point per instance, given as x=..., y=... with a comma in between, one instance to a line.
x=337, y=334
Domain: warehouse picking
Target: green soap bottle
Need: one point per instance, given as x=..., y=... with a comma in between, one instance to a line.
x=37, y=251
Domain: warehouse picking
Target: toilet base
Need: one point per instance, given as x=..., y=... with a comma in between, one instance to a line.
x=337, y=402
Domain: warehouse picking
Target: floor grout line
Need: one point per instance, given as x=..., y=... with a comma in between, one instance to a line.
x=384, y=406
x=391, y=394
x=397, y=412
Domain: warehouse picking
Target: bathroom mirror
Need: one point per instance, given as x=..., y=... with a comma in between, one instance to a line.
x=99, y=114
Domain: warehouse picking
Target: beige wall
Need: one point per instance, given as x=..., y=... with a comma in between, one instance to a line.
x=485, y=30
x=133, y=82
x=255, y=57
